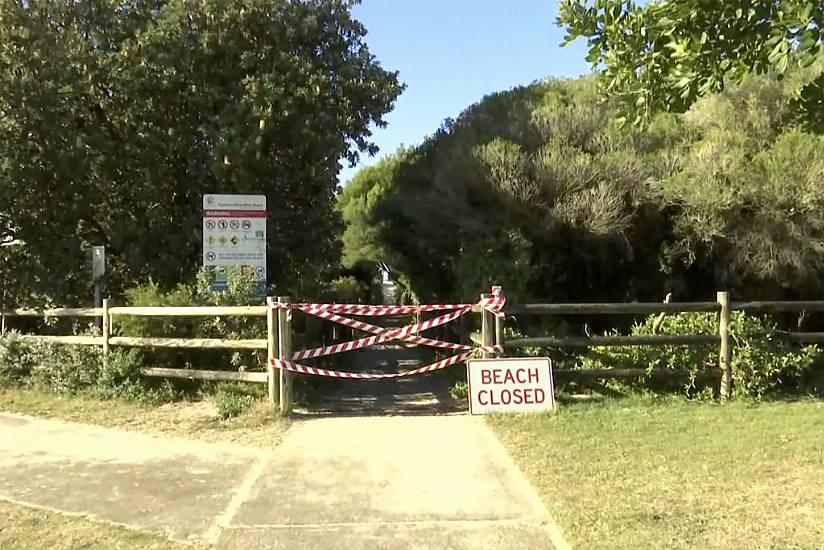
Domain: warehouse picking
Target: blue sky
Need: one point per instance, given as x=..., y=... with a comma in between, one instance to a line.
x=451, y=53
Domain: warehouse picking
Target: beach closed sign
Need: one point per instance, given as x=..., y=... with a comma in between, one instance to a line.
x=510, y=385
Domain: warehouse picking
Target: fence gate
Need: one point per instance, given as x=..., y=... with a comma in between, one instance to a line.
x=287, y=362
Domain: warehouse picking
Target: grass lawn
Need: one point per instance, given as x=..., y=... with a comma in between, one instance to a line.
x=257, y=427
x=636, y=473
x=23, y=528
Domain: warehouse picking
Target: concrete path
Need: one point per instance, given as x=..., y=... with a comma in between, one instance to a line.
x=172, y=486
x=401, y=482
x=390, y=482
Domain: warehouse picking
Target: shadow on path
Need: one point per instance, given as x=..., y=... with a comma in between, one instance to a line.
x=425, y=394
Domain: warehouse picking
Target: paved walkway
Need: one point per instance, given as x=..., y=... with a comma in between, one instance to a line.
x=422, y=475
x=399, y=482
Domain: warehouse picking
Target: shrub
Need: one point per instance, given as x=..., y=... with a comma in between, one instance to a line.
x=232, y=400
x=761, y=363
x=459, y=390
x=241, y=291
x=18, y=357
x=119, y=376
x=68, y=369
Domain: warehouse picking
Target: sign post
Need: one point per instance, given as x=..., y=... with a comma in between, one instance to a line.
x=98, y=272
x=234, y=235
x=516, y=384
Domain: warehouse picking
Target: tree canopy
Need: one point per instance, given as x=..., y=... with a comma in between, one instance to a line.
x=663, y=56
x=539, y=189
x=117, y=116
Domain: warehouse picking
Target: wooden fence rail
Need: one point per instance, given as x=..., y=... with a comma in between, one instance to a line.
x=722, y=306
x=278, y=337
x=270, y=343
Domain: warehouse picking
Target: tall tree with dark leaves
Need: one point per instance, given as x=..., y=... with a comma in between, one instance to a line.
x=118, y=116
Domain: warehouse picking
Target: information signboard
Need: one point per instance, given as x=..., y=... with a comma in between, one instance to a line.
x=234, y=235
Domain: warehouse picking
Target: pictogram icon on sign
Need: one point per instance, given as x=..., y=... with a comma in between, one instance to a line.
x=234, y=224
x=222, y=224
x=247, y=225
x=211, y=256
x=210, y=224
x=235, y=240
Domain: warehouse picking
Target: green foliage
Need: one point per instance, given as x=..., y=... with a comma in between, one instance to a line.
x=539, y=190
x=124, y=113
x=761, y=363
x=662, y=56
x=67, y=369
x=70, y=370
x=240, y=291
x=18, y=358
x=232, y=400
x=119, y=377
x=459, y=391
x=758, y=211
x=531, y=188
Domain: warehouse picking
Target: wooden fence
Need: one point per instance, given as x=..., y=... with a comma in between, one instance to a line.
x=277, y=341
x=278, y=338
x=723, y=307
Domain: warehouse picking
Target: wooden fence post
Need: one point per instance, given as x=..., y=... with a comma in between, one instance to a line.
x=724, y=351
x=106, y=327
x=272, y=353
x=499, y=332
x=285, y=353
x=487, y=328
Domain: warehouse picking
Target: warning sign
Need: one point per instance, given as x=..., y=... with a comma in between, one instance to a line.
x=518, y=384
x=234, y=235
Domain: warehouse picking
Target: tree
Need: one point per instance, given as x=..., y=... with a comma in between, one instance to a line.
x=531, y=188
x=538, y=189
x=663, y=56
x=118, y=116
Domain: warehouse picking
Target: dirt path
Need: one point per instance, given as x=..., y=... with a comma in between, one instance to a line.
x=424, y=394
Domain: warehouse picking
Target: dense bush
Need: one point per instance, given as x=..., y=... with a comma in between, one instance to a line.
x=123, y=113
x=18, y=358
x=240, y=291
x=68, y=370
x=761, y=363
x=539, y=190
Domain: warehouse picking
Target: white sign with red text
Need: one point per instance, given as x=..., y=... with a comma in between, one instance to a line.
x=515, y=384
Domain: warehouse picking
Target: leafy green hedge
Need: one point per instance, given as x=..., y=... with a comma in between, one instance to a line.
x=762, y=363
x=68, y=369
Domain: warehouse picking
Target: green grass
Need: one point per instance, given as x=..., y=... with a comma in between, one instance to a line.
x=258, y=426
x=23, y=528
x=637, y=473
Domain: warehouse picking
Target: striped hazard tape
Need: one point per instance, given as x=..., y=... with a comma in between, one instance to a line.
x=410, y=333
x=442, y=364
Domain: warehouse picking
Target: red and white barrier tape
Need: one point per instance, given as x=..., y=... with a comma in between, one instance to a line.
x=372, y=311
x=442, y=364
x=382, y=334
x=494, y=304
